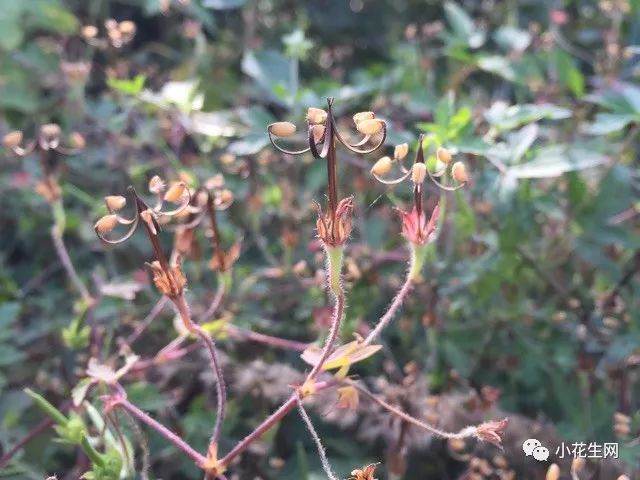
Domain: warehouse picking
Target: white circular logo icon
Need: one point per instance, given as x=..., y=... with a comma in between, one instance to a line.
x=530, y=445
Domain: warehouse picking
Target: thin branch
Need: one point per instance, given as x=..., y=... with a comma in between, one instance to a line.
x=37, y=430
x=267, y=424
x=391, y=311
x=161, y=429
x=183, y=310
x=331, y=338
x=63, y=254
x=326, y=466
x=466, y=432
x=277, y=342
x=155, y=311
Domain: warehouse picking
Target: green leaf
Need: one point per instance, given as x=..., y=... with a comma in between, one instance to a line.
x=556, y=160
x=606, y=123
x=129, y=87
x=497, y=65
x=504, y=117
x=463, y=26
x=268, y=68
x=511, y=38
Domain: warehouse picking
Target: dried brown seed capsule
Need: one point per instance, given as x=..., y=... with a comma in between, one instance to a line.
x=89, y=31
x=418, y=173
x=459, y=172
x=156, y=185
x=553, y=473
x=282, y=129
x=382, y=166
x=316, y=116
x=115, y=202
x=318, y=133
x=360, y=116
x=370, y=127
x=401, y=151
x=106, y=224
x=443, y=155
x=12, y=139
x=175, y=192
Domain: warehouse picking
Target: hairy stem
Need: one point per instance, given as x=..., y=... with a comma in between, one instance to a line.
x=267, y=424
x=162, y=430
x=391, y=311
x=466, y=432
x=183, y=309
x=338, y=311
x=276, y=342
x=326, y=466
x=63, y=255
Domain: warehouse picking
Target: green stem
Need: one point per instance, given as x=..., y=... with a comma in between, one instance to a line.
x=55, y=414
x=418, y=257
x=334, y=268
x=91, y=452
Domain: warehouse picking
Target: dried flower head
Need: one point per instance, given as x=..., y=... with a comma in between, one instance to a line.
x=176, y=192
x=365, y=473
x=334, y=226
x=170, y=282
x=492, y=431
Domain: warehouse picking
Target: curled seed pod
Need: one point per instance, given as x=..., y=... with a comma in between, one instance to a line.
x=115, y=202
x=106, y=224
x=316, y=116
x=12, y=139
x=400, y=151
x=459, y=172
x=443, y=155
x=318, y=133
x=282, y=129
x=382, y=166
x=78, y=141
x=156, y=185
x=147, y=217
x=418, y=173
x=360, y=116
x=370, y=127
x=89, y=31
x=175, y=192
x=553, y=473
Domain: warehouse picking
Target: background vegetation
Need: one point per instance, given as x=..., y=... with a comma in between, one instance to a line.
x=529, y=302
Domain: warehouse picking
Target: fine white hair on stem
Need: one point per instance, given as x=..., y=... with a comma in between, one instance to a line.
x=326, y=466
